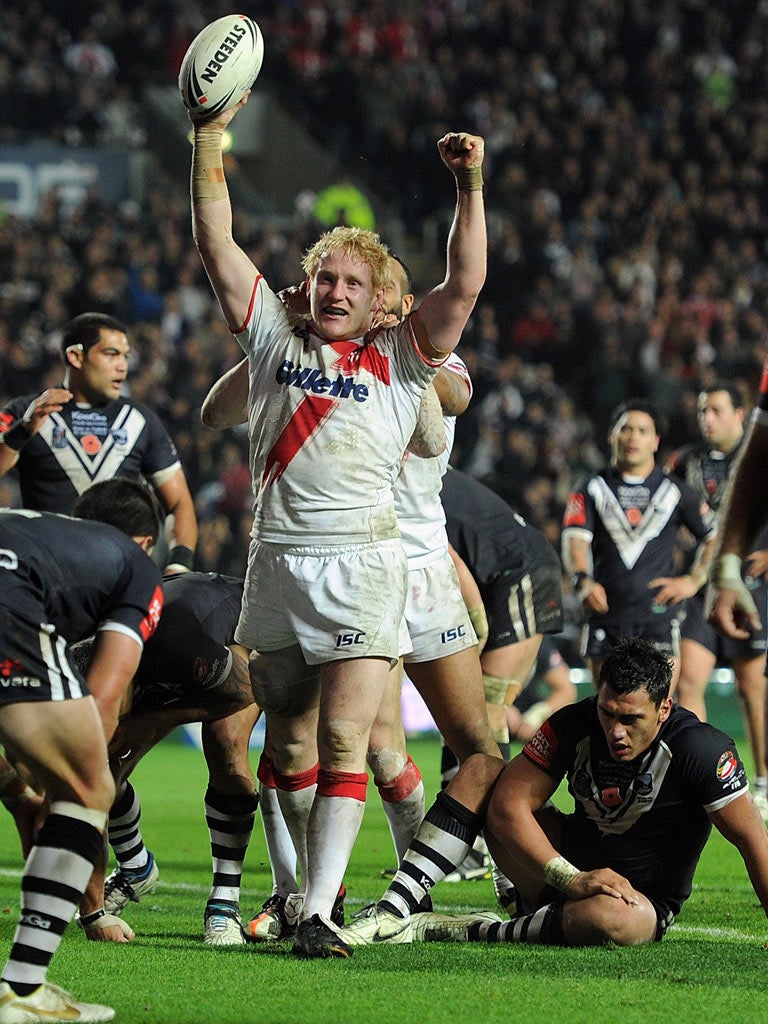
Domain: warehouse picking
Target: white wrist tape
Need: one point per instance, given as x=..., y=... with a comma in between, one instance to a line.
x=559, y=873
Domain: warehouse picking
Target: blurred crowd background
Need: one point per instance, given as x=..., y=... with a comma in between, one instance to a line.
x=627, y=154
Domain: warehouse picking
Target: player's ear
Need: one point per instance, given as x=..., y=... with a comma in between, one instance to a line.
x=378, y=301
x=665, y=709
x=75, y=355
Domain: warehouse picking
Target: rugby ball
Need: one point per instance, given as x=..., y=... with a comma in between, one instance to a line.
x=221, y=64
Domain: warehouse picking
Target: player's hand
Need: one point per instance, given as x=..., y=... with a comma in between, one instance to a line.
x=459, y=149
x=728, y=604
x=602, y=882
x=296, y=300
x=593, y=597
x=673, y=589
x=40, y=408
x=756, y=564
x=223, y=119
x=109, y=928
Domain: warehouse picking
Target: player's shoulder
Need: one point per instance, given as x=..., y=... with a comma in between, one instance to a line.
x=685, y=733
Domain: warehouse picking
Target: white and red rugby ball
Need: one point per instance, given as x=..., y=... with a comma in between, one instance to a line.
x=221, y=64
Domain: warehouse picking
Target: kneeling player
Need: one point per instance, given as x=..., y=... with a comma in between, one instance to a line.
x=648, y=779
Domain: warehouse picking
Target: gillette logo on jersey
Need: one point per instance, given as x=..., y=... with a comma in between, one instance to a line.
x=312, y=380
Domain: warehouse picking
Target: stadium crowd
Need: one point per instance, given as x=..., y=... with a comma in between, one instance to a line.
x=625, y=205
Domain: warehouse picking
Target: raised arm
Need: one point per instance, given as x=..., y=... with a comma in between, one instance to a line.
x=229, y=269
x=446, y=309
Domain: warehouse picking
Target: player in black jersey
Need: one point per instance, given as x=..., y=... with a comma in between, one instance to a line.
x=61, y=580
x=648, y=781
x=190, y=671
x=620, y=540
x=511, y=580
x=706, y=467
x=72, y=436
x=518, y=579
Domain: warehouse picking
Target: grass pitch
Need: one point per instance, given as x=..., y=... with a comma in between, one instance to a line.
x=713, y=965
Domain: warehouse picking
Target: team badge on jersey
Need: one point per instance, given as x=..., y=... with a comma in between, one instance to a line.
x=727, y=766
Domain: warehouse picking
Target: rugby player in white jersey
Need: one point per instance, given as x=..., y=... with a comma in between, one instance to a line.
x=329, y=419
x=451, y=684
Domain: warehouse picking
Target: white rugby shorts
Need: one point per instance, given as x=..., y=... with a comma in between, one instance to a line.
x=435, y=614
x=337, y=602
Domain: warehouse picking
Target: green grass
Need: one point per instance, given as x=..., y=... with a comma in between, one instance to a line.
x=711, y=966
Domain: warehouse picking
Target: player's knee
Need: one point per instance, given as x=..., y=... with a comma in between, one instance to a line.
x=386, y=762
x=476, y=778
x=603, y=919
x=282, y=682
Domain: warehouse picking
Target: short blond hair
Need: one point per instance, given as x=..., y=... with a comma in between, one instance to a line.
x=357, y=244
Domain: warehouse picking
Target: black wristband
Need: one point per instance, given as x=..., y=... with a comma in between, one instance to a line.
x=16, y=436
x=89, y=919
x=181, y=555
x=577, y=579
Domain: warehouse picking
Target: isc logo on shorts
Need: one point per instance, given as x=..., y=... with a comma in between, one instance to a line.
x=348, y=639
x=455, y=633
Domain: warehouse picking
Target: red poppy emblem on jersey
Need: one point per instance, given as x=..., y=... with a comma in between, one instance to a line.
x=634, y=515
x=611, y=796
x=575, y=511
x=726, y=766
x=90, y=444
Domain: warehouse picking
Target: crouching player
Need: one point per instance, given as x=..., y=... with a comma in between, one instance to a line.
x=190, y=671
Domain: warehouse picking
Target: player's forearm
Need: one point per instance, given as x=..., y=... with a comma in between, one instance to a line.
x=181, y=526
x=467, y=248
x=702, y=562
x=8, y=458
x=745, y=508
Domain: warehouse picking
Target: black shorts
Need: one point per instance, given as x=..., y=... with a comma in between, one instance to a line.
x=581, y=851
x=36, y=663
x=695, y=627
x=663, y=631
x=525, y=602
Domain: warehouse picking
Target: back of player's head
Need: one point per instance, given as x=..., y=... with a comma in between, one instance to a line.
x=635, y=405
x=407, y=275
x=126, y=504
x=85, y=330
x=636, y=664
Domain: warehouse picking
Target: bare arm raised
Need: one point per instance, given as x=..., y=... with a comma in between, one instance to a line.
x=230, y=271
x=446, y=309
